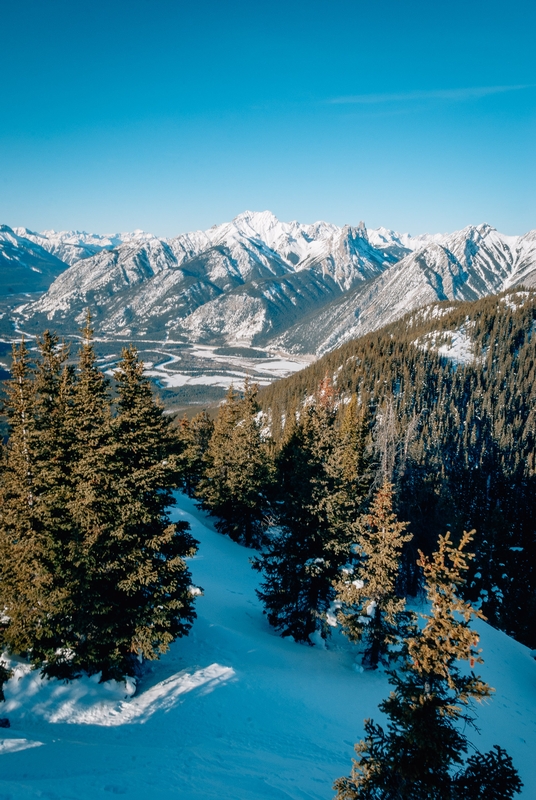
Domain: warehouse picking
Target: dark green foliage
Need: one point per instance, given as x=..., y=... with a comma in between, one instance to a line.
x=21, y=545
x=135, y=557
x=36, y=534
x=416, y=757
x=194, y=436
x=488, y=775
x=462, y=449
x=92, y=572
x=320, y=483
x=370, y=608
x=239, y=470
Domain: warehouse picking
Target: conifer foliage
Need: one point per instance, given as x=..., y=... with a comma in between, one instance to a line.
x=457, y=439
x=194, y=436
x=321, y=480
x=371, y=609
x=421, y=755
x=239, y=469
x=92, y=572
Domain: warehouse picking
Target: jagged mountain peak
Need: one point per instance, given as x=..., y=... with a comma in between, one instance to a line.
x=256, y=279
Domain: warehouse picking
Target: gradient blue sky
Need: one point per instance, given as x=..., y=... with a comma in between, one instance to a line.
x=172, y=115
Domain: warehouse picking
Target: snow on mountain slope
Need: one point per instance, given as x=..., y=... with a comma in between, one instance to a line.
x=25, y=266
x=258, y=266
x=71, y=246
x=233, y=712
x=262, y=282
x=465, y=265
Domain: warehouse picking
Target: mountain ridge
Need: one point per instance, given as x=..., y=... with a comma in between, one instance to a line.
x=257, y=281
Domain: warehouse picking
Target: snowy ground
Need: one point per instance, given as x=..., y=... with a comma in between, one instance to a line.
x=226, y=369
x=233, y=712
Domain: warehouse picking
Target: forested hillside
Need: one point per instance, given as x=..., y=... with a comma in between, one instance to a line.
x=449, y=395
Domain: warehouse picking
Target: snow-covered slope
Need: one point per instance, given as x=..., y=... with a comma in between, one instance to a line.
x=71, y=246
x=465, y=265
x=233, y=712
x=250, y=277
x=257, y=280
x=25, y=266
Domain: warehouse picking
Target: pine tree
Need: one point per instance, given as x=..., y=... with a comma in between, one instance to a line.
x=53, y=389
x=93, y=509
x=303, y=556
x=136, y=584
x=23, y=579
x=39, y=579
x=194, y=436
x=139, y=568
x=239, y=469
x=350, y=467
x=371, y=609
x=92, y=572
x=213, y=488
x=416, y=758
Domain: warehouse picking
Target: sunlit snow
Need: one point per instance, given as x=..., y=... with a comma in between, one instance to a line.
x=232, y=712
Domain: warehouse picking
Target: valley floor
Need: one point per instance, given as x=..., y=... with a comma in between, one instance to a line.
x=232, y=712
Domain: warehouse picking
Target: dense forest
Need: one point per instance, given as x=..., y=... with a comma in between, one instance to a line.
x=455, y=437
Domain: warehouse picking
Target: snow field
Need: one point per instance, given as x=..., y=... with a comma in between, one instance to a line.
x=232, y=712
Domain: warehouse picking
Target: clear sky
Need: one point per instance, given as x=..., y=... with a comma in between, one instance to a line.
x=171, y=115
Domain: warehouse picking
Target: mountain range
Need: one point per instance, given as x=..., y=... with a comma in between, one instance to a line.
x=255, y=281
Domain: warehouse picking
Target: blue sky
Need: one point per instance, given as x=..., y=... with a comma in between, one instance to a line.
x=172, y=115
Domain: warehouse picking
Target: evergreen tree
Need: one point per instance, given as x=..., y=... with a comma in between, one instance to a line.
x=350, y=467
x=239, y=469
x=135, y=581
x=139, y=568
x=53, y=389
x=371, y=609
x=416, y=758
x=37, y=535
x=312, y=542
x=213, y=488
x=194, y=436
x=93, y=509
x=23, y=579
x=92, y=572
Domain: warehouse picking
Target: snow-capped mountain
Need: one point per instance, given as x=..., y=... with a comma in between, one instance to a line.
x=257, y=280
x=71, y=246
x=466, y=265
x=25, y=266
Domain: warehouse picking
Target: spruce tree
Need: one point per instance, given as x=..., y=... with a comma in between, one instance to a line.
x=194, y=436
x=371, y=609
x=53, y=389
x=421, y=755
x=350, y=467
x=92, y=572
x=39, y=576
x=213, y=488
x=23, y=578
x=135, y=572
x=306, y=551
x=143, y=574
x=239, y=469
x=93, y=508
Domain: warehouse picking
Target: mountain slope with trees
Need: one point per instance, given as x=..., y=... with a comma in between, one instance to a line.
x=450, y=391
